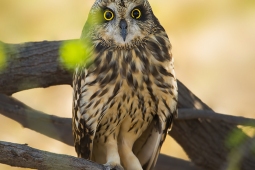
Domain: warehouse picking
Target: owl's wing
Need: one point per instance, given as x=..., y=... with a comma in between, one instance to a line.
x=147, y=147
x=82, y=132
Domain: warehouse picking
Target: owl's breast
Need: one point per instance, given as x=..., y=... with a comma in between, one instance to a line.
x=125, y=89
x=130, y=110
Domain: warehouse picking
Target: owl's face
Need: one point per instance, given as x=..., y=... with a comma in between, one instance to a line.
x=120, y=22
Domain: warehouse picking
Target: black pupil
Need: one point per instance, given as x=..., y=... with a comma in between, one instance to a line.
x=108, y=15
x=136, y=13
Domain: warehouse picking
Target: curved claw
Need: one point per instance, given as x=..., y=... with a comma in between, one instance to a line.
x=113, y=167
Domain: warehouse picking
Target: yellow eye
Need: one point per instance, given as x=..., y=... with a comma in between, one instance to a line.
x=108, y=15
x=136, y=13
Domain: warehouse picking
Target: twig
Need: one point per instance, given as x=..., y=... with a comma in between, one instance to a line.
x=186, y=114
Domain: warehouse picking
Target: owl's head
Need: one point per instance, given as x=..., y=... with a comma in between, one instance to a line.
x=120, y=23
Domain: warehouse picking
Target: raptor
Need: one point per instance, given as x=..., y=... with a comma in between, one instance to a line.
x=124, y=99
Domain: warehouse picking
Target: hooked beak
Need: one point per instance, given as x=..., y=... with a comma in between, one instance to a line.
x=123, y=27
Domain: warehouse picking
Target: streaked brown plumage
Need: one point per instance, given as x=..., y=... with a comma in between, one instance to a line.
x=125, y=100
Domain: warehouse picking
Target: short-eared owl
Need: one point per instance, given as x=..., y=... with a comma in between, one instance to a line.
x=125, y=98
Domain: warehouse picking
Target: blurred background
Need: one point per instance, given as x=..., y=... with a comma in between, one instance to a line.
x=213, y=46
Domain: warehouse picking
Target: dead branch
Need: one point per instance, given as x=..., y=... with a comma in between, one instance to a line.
x=52, y=126
x=211, y=152
x=27, y=157
x=60, y=129
x=34, y=65
x=28, y=65
x=19, y=155
x=185, y=114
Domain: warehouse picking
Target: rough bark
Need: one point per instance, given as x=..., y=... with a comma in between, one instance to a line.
x=60, y=129
x=32, y=65
x=19, y=155
x=55, y=127
x=27, y=157
x=204, y=140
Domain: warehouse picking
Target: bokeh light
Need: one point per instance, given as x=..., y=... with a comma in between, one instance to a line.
x=2, y=57
x=73, y=53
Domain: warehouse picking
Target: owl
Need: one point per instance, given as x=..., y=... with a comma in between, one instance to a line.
x=125, y=97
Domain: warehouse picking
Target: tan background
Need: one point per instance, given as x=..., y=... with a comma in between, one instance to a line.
x=213, y=45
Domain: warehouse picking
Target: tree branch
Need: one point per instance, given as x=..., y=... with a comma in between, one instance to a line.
x=185, y=114
x=60, y=129
x=27, y=157
x=211, y=152
x=24, y=156
x=52, y=126
x=32, y=65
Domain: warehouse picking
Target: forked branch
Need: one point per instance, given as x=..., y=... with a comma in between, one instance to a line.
x=203, y=135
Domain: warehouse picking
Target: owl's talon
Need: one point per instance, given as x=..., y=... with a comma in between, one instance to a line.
x=113, y=167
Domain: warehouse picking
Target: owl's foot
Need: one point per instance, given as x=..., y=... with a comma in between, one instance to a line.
x=113, y=166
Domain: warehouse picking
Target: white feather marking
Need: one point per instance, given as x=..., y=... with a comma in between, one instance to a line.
x=78, y=114
x=76, y=123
